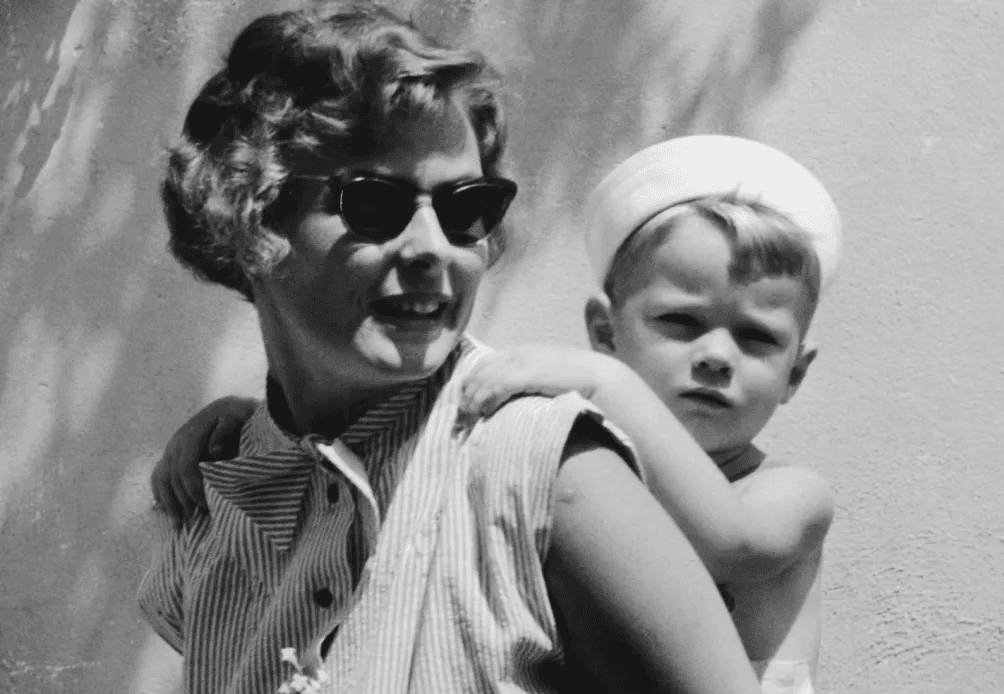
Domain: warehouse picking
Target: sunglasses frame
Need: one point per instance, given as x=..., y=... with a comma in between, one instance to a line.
x=337, y=187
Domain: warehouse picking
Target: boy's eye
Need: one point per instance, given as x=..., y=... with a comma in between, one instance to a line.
x=756, y=335
x=680, y=319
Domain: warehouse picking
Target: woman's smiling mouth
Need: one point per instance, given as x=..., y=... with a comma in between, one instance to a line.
x=413, y=310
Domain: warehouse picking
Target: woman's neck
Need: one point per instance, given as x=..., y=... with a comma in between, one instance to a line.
x=302, y=406
x=315, y=397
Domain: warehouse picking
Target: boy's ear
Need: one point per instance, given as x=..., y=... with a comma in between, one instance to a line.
x=806, y=355
x=599, y=324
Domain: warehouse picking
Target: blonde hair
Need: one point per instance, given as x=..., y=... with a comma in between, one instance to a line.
x=764, y=243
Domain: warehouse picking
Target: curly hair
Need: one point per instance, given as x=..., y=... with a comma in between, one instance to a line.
x=297, y=84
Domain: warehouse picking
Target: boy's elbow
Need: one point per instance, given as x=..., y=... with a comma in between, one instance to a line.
x=740, y=555
x=821, y=520
x=819, y=508
x=759, y=559
x=749, y=562
x=755, y=564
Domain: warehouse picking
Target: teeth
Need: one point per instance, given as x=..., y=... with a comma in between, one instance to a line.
x=421, y=307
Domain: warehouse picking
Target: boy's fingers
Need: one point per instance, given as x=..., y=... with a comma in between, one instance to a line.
x=476, y=369
x=157, y=486
x=479, y=380
x=191, y=452
x=184, y=504
x=491, y=404
x=475, y=382
x=224, y=441
x=470, y=401
x=217, y=447
x=467, y=405
x=468, y=388
x=191, y=439
x=480, y=399
x=496, y=397
x=493, y=385
x=164, y=496
x=195, y=491
x=169, y=505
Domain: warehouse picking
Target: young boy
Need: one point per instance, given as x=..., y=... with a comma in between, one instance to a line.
x=711, y=251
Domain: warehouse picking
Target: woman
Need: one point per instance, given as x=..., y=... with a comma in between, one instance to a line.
x=343, y=173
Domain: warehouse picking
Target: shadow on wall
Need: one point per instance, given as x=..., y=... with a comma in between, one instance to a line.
x=592, y=84
x=105, y=344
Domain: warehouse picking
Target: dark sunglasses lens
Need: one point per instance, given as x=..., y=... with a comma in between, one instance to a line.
x=471, y=212
x=378, y=210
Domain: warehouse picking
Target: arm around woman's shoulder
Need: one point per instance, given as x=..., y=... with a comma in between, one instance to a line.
x=637, y=610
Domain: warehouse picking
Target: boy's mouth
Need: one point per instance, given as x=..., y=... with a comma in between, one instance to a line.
x=708, y=397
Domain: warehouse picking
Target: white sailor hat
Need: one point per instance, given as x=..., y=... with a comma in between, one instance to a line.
x=687, y=168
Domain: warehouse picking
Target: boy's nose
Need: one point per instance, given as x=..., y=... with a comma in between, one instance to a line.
x=714, y=364
x=712, y=360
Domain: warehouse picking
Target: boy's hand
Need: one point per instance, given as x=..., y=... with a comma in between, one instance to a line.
x=532, y=370
x=213, y=433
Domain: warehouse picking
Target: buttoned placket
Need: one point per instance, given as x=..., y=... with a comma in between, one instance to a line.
x=351, y=467
x=346, y=468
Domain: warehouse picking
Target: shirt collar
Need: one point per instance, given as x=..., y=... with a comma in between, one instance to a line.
x=268, y=479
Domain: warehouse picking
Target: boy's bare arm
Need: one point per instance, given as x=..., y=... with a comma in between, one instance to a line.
x=747, y=533
x=779, y=616
x=212, y=433
x=735, y=537
x=795, y=507
x=638, y=610
x=779, y=619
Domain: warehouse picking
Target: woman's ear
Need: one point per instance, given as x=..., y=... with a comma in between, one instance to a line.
x=806, y=355
x=599, y=324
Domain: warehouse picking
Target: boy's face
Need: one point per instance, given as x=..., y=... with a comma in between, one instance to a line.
x=721, y=355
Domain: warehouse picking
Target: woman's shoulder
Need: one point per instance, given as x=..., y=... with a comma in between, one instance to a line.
x=535, y=428
x=530, y=437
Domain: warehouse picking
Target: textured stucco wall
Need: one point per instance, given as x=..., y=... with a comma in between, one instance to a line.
x=105, y=344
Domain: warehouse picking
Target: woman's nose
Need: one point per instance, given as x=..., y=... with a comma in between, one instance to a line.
x=423, y=240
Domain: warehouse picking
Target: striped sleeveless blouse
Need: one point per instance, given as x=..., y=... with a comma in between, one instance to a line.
x=407, y=555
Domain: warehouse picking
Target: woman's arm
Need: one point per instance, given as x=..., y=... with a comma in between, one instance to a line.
x=637, y=609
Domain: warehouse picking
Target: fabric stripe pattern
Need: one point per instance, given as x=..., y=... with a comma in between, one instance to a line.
x=446, y=593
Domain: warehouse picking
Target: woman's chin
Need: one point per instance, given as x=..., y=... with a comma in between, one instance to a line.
x=409, y=352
